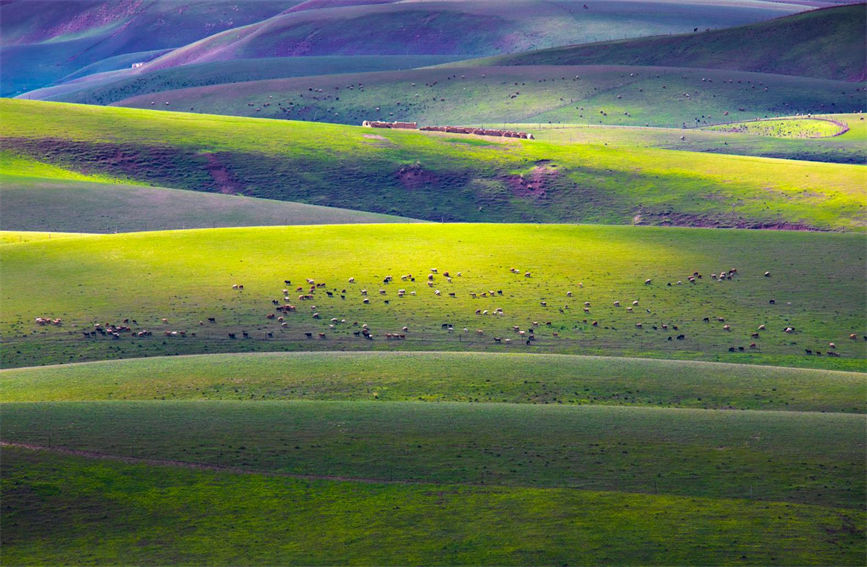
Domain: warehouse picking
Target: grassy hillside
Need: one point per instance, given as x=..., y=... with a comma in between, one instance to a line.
x=827, y=44
x=134, y=512
x=805, y=458
x=108, y=87
x=738, y=139
x=608, y=95
x=472, y=28
x=40, y=197
x=186, y=277
x=46, y=40
x=436, y=177
x=442, y=376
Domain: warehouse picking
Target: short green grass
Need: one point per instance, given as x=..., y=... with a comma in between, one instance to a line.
x=430, y=176
x=785, y=128
x=848, y=147
x=600, y=95
x=38, y=196
x=443, y=376
x=68, y=510
x=186, y=277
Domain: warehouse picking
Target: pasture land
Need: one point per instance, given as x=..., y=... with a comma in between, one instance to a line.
x=848, y=147
x=786, y=128
x=435, y=177
x=443, y=376
x=37, y=196
x=603, y=94
x=109, y=87
x=798, y=457
x=585, y=293
x=62, y=509
x=826, y=44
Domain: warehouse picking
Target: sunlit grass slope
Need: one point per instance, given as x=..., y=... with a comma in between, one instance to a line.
x=815, y=286
x=849, y=147
x=37, y=196
x=58, y=507
x=437, y=177
x=459, y=377
x=609, y=95
x=827, y=43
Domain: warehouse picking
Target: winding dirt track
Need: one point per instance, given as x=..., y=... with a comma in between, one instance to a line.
x=207, y=467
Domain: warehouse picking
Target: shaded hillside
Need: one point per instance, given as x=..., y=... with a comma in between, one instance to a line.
x=606, y=95
x=473, y=28
x=826, y=43
x=45, y=40
x=434, y=176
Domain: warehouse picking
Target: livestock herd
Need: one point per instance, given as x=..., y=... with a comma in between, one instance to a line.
x=494, y=319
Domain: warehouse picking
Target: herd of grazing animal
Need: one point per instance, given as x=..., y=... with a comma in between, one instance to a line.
x=286, y=315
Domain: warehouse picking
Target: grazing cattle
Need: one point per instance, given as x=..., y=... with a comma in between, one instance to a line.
x=789, y=330
x=772, y=302
x=726, y=328
x=761, y=327
x=321, y=335
x=853, y=336
x=767, y=274
x=245, y=334
x=270, y=316
x=639, y=326
x=808, y=351
x=754, y=335
x=528, y=275
x=595, y=323
x=681, y=337
x=832, y=345
x=647, y=281
x=231, y=335
x=616, y=304
x=635, y=302
x=437, y=292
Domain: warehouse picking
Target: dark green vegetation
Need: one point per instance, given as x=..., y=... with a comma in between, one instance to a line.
x=36, y=196
x=607, y=95
x=441, y=376
x=434, y=176
x=827, y=44
x=805, y=458
x=187, y=277
x=58, y=507
x=44, y=41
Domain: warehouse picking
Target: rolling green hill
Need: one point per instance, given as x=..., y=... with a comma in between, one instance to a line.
x=827, y=44
x=187, y=277
x=39, y=197
x=444, y=377
x=434, y=176
x=607, y=95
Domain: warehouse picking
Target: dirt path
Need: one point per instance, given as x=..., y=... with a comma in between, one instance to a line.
x=207, y=467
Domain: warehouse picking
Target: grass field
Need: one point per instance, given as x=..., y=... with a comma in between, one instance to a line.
x=805, y=458
x=786, y=128
x=435, y=177
x=108, y=87
x=454, y=377
x=606, y=95
x=186, y=277
x=37, y=196
x=821, y=43
x=845, y=148
x=59, y=507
